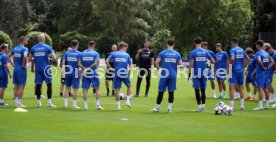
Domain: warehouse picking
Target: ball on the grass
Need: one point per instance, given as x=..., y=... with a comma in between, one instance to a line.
x=227, y=110
x=218, y=110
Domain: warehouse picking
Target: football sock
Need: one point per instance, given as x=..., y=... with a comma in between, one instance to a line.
x=267, y=103
x=220, y=93
x=261, y=104
x=1, y=101
x=198, y=99
x=242, y=103
x=97, y=102
x=65, y=102
x=249, y=94
x=74, y=102
x=128, y=98
x=157, y=106
x=49, y=101
x=85, y=103
x=159, y=98
x=49, y=90
x=232, y=104
x=203, y=95
x=171, y=97
x=170, y=106
x=203, y=106
x=272, y=95
x=214, y=92
x=118, y=104
x=16, y=100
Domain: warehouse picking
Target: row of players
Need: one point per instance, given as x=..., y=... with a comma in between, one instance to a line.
x=169, y=59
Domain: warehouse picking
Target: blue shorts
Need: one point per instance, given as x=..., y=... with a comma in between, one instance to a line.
x=270, y=78
x=20, y=77
x=250, y=79
x=237, y=78
x=72, y=81
x=86, y=82
x=261, y=80
x=41, y=76
x=165, y=83
x=211, y=76
x=117, y=81
x=4, y=82
x=221, y=78
x=199, y=83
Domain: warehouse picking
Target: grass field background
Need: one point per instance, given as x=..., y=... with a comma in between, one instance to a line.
x=59, y=124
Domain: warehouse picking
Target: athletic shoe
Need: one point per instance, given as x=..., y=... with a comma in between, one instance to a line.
x=61, y=94
x=107, y=94
x=76, y=107
x=197, y=110
x=214, y=96
x=272, y=100
x=155, y=110
x=43, y=96
x=266, y=107
x=51, y=105
x=242, y=109
x=85, y=108
x=99, y=108
x=146, y=95
x=2, y=104
x=219, y=97
x=251, y=98
x=136, y=96
x=35, y=96
x=273, y=106
x=169, y=110
x=258, y=108
x=224, y=96
x=128, y=104
x=21, y=106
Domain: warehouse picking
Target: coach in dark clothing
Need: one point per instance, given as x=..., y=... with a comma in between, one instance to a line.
x=145, y=58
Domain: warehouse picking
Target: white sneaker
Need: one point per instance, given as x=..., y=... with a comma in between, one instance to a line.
x=39, y=104
x=169, y=110
x=76, y=107
x=99, y=108
x=214, y=96
x=21, y=106
x=274, y=105
x=155, y=110
x=272, y=101
x=51, y=105
x=128, y=104
x=197, y=110
x=119, y=108
x=85, y=108
x=258, y=108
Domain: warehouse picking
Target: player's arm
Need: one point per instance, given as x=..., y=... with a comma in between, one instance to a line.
x=25, y=58
x=272, y=63
x=81, y=65
x=157, y=62
x=32, y=62
x=63, y=68
x=261, y=63
x=6, y=67
x=191, y=65
x=96, y=63
x=108, y=64
x=253, y=73
x=138, y=54
x=10, y=58
x=246, y=60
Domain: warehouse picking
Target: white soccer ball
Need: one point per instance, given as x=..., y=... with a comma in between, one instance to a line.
x=220, y=104
x=227, y=110
x=122, y=96
x=218, y=110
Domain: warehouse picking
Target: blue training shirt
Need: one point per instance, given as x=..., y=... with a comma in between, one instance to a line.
x=121, y=61
x=251, y=65
x=169, y=61
x=41, y=53
x=265, y=58
x=271, y=70
x=3, y=62
x=221, y=60
x=72, y=58
x=18, y=56
x=239, y=56
x=88, y=57
x=200, y=57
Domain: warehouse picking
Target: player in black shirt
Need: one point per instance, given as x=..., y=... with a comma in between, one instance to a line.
x=109, y=74
x=145, y=58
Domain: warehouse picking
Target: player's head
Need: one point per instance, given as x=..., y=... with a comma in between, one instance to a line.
x=146, y=44
x=4, y=47
x=198, y=41
x=267, y=45
x=69, y=48
x=170, y=43
x=249, y=51
x=114, y=47
x=234, y=42
x=23, y=40
x=204, y=45
x=259, y=44
x=270, y=50
x=123, y=46
x=74, y=44
x=41, y=38
x=219, y=47
x=91, y=45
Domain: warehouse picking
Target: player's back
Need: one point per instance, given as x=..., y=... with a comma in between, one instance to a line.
x=88, y=57
x=169, y=61
x=3, y=61
x=41, y=54
x=18, y=56
x=239, y=57
x=72, y=57
x=221, y=59
x=120, y=59
x=265, y=59
x=200, y=57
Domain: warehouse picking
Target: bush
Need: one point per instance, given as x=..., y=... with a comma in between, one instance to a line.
x=65, y=40
x=33, y=39
x=5, y=38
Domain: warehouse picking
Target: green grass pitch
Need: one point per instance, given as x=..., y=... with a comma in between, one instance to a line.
x=59, y=124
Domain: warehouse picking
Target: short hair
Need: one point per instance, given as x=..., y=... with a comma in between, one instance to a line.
x=22, y=38
x=267, y=45
x=269, y=48
x=235, y=40
x=91, y=43
x=122, y=45
x=219, y=44
x=249, y=50
x=170, y=42
x=259, y=42
x=4, y=45
x=205, y=43
x=74, y=43
x=198, y=40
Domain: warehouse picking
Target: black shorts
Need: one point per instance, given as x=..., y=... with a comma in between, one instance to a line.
x=109, y=75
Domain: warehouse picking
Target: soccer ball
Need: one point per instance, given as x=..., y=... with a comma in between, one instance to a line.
x=220, y=104
x=122, y=96
x=218, y=110
x=227, y=110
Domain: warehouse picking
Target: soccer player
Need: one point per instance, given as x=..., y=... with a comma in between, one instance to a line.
x=40, y=53
x=4, y=72
x=264, y=63
x=63, y=79
x=271, y=72
x=238, y=61
x=197, y=70
x=109, y=73
x=170, y=59
x=71, y=73
x=211, y=76
x=89, y=63
x=249, y=78
x=145, y=58
x=221, y=66
x=122, y=62
x=18, y=59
